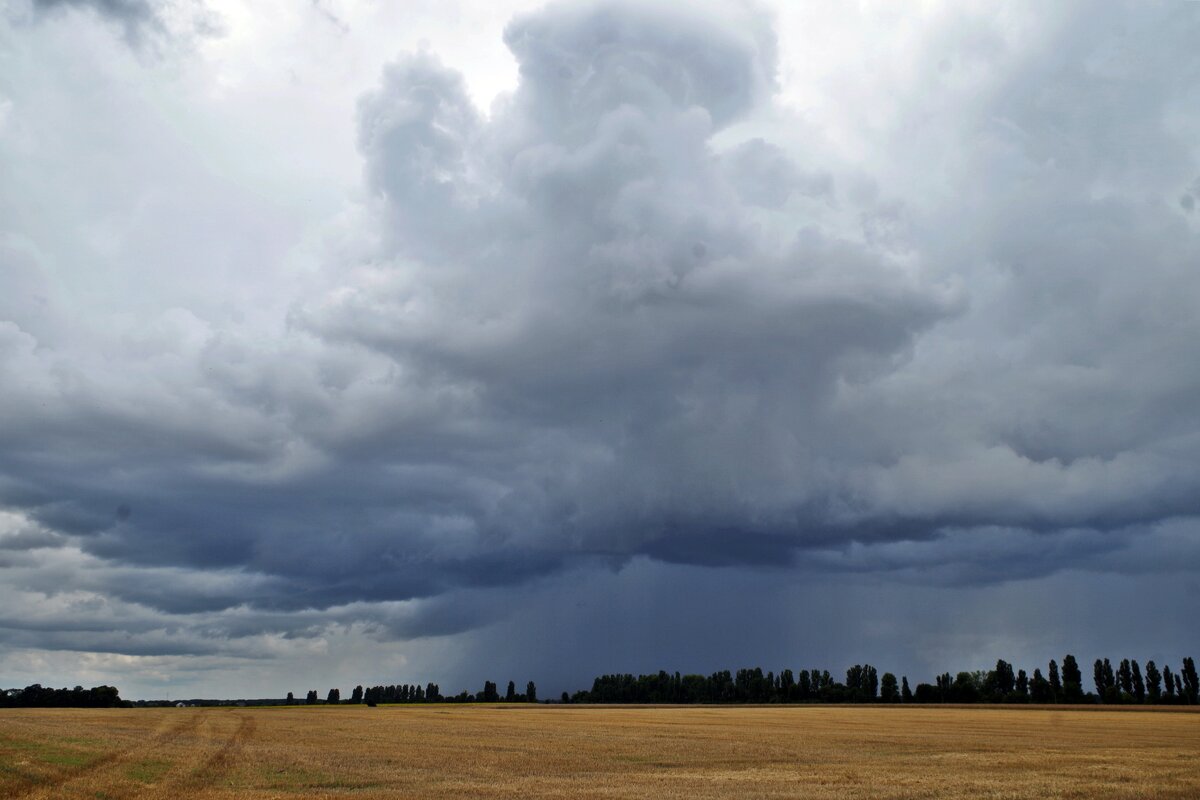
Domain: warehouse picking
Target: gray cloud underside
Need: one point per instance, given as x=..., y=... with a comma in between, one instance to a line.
x=601, y=323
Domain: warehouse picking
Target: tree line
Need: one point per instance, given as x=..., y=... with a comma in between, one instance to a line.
x=406, y=693
x=38, y=696
x=1127, y=684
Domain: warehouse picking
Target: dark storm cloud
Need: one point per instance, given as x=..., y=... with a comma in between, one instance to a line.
x=601, y=326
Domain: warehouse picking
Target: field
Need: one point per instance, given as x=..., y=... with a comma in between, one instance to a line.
x=609, y=752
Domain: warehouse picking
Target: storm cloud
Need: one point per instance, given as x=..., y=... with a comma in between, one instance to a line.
x=646, y=334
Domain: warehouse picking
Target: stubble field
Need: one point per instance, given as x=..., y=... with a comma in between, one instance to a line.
x=609, y=752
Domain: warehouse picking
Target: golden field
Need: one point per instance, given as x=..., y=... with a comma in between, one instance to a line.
x=599, y=752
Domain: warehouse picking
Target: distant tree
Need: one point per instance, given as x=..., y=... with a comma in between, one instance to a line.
x=1179, y=690
x=926, y=693
x=1191, y=681
x=489, y=694
x=965, y=688
x=566, y=698
x=888, y=690
x=1098, y=677
x=510, y=695
x=290, y=700
x=1139, y=686
x=1153, y=682
x=1022, y=685
x=311, y=699
x=1039, y=688
x=1055, y=683
x=1000, y=681
x=357, y=695
x=335, y=696
x=531, y=692
x=1072, y=680
x=906, y=695
x=1168, y=684
x=1125, y=677
x=1112, y=694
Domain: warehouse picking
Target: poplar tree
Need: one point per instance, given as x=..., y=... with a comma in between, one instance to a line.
x=1153, y=681
x=1139, y=687
x=1072, y=679
x=1191, y=682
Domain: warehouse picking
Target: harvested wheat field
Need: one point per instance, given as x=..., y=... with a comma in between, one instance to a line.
x=592, y=751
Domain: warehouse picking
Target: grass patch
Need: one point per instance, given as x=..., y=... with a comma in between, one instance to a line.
x=147, y=771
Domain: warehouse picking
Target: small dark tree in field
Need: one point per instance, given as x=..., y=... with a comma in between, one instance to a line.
x=888, y=691
x=1098, y=677
x=906, y=695
x=335, y=696
x=566, y=698
x=511, y=695
x=1168, y=684
x=531, y=692
x=356, y=696
x=1153, y=682
x=1055, y=683
x=311, y=699
x=489, y=694
x=291, y=701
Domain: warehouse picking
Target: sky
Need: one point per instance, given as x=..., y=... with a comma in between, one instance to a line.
x=349, y=342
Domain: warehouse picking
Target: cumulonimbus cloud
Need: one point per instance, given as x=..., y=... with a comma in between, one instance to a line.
x=611, y=317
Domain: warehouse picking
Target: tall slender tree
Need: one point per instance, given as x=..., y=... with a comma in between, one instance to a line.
x=1139, y=686
x=1072, y=680
x=1191, y=681
x=1153, y=681
x=1055, y=683
x=1125, y=677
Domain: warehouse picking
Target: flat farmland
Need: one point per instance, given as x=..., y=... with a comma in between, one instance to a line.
x=599, y=752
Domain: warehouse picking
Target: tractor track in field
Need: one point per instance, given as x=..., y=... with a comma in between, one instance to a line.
x=58, y=785
x=195, y=753
x=217, y=763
